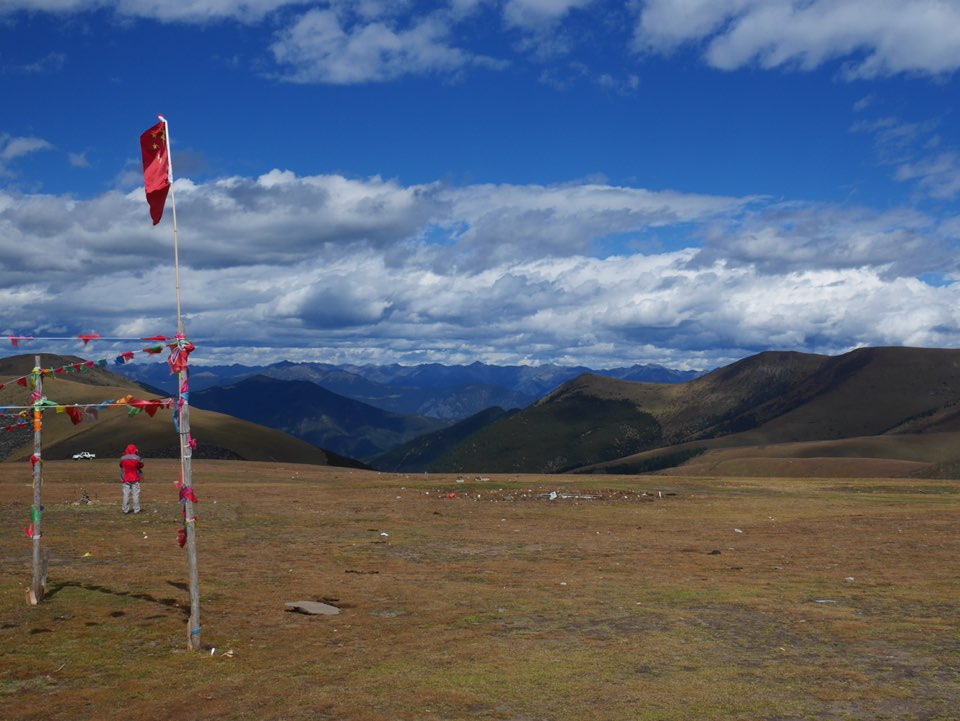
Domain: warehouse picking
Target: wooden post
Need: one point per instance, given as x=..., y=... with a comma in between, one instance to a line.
x=38, y=587
x=190, y=525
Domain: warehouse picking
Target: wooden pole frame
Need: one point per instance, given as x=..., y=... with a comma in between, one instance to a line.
x=38, y=586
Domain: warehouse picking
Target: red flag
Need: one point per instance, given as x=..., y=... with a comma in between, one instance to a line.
x=156, y=168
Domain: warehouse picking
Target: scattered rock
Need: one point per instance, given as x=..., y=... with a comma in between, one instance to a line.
x=312, y=608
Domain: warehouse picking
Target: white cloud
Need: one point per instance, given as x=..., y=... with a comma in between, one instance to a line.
x=938, y=175
x=13, y=148
x=181, y=10
x=372, y=270
x=317, y=48
x=918, y=153
x=786, y=238
x=873, y=37
x=78, y=160
x=502, y=222
x=538, y=14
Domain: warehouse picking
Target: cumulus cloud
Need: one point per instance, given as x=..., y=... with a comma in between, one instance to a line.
x=503, y=222
x=536, y=14
x=318, y=48
x=872, y=37
x=12, y=148
x=786, y=238
x=369, y=270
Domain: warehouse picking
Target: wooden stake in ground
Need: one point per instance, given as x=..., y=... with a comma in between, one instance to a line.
x=39, y=584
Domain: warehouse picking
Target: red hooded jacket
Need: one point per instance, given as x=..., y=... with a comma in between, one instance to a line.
x=131, y=465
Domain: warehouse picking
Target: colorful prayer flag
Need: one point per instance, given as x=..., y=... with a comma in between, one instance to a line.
x=156, y=168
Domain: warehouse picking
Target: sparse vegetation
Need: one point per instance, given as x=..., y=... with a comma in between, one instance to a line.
x=624, y=597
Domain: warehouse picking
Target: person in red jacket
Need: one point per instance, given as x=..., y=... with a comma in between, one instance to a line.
x=131, y=473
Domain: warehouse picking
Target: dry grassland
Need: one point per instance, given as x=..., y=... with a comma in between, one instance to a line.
x=656, y=598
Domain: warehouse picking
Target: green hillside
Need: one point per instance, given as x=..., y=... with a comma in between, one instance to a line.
x=763, y=407
x=554, y=436
x=422, y=452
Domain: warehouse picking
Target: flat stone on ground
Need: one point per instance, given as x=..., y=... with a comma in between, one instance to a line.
x=312, y=608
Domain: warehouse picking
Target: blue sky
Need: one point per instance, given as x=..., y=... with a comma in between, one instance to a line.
x=510, y=181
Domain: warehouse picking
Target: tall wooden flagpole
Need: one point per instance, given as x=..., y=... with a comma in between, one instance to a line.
x=183, y=427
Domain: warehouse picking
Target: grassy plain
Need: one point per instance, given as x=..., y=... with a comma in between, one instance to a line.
x=626, y=597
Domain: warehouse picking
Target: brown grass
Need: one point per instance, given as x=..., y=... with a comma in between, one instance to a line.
x=657, y=598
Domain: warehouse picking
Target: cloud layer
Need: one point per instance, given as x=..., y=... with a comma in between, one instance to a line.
x=375, y=271
x=873, y=37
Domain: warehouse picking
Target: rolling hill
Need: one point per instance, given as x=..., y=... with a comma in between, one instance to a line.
x=422, y=452
x=218, y=435
x=860, y=411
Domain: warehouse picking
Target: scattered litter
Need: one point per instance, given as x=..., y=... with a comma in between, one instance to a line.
x=554, y=495
x=825, y=600
x=384, y=534
x=738, y=530
x=228, y=654
x=312, y=608
x=86, y=555
x=502, y=495
x=460, y=479
x=213, y=650
x=849, y=579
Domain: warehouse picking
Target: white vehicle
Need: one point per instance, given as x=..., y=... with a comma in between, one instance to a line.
x=83, y=454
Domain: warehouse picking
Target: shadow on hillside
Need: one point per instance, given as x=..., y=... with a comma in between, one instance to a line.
x=56, y=587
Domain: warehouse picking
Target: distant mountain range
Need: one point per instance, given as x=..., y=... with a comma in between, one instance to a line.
x=316, y=415
x=873, y=412
x=437, y=391
x=364, y=412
